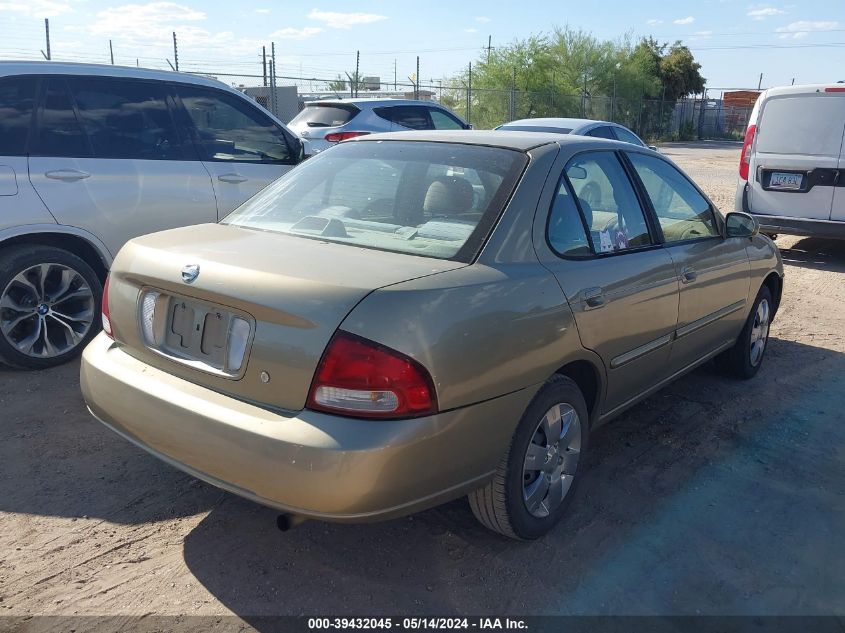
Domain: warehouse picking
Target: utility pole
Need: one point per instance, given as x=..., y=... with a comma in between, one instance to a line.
x=469, y=95
x=47, y=32
x=273, y=77
x=264, y=63
x=394, y=75
x=760, y=82
x=489, y=47
x=175, y=52
x=417, y=82
x=793, y=82
x=111, y=53
x=357, y=71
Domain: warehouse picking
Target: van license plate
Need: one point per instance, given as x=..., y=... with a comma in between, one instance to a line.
x=780, y=180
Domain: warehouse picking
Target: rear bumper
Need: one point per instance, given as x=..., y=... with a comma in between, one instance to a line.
x=306, y=463
x=801, y=226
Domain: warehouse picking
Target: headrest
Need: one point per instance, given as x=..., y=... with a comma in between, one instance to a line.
x=448, y=195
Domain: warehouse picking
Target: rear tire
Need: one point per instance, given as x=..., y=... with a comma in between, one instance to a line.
x=49, y=306
x=536, y=477
x=745, y=358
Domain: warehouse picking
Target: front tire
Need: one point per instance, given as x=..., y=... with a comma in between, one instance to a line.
x=49, y=304
x=745, y=358
x=538, y=473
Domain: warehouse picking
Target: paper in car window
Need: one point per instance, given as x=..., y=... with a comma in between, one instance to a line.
x=605, y=242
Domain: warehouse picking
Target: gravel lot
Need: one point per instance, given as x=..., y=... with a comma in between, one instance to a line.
x=712, y=497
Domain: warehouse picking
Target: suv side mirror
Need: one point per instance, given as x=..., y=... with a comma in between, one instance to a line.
x=739, y=224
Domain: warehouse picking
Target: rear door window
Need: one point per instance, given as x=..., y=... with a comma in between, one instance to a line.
x=413, y=117
x=230, y=129
x=126, y=119
x=444, y=121
x=17, y=100
x=325, y=115
x=628, y=137
x=608, y=201
x=58, y=130
x=603, y=131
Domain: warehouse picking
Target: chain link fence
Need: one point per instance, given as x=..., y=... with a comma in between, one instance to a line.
x=651, y=119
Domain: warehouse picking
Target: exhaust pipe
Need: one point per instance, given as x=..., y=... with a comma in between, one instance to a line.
x=286, y=522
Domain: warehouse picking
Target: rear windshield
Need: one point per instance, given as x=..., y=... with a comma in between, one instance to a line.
x=325, y=115
x=432, y=199
x=535, y=128
x=803, y=124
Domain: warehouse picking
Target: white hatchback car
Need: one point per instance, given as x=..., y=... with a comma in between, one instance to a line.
x=792, y=166
x=92, y=156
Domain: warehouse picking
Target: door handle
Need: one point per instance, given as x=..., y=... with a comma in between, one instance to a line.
x=68, y=175
x=593, y=298
x=688, y=275
x=232, y=178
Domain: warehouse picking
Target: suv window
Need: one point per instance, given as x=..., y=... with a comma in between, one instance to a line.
x=629, y=137
x=683, y=213
x=601, y=132
x=17, y=99
x=609, y=204
x=329, y=115
x=126, y=118
x=229, y=128
x=414, y=117
x=444, y=121
x=58, y=132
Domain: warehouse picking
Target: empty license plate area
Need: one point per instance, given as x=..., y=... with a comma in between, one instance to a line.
x=206, y=336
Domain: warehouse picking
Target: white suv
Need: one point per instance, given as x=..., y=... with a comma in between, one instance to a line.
x=792, y=168
x=91, y=156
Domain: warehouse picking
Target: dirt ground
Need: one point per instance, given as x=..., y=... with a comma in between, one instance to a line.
x=712, y=497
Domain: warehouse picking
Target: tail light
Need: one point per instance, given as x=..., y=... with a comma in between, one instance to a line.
x=835, y=89
x=105, y=310
x=745, y=157
x=360, y=378
x=337, y=137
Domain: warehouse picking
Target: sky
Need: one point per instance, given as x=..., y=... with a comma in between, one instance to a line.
x=733, y=41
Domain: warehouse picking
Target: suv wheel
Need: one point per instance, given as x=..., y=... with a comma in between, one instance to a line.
x=49, y=302
x=537, y=475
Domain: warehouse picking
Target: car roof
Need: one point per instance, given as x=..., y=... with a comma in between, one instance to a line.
x=8, y=68
x=557, y=122
x=805, y=89
x=373, y=101
x=520, y=141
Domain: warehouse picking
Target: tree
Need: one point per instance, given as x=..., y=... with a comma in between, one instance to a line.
x=569, y=72
x=338, y=84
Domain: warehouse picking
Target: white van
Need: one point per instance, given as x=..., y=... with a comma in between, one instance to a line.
x=92, y=156
x=792, y=169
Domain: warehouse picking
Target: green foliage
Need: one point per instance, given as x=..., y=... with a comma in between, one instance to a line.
x=338, y=84
x=571, y=73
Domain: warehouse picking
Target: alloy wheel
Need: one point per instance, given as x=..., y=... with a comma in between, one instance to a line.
x=46, y=310
x=551, y=460
x=759, y=332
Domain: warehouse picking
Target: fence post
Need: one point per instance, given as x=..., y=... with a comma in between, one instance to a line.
x=469, y=95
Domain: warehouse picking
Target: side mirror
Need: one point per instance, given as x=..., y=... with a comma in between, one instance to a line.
x=739, y=224
x=653, y=148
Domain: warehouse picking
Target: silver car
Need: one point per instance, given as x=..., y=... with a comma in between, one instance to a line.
x=582, y=127
x=91, y=156
x=322, y=124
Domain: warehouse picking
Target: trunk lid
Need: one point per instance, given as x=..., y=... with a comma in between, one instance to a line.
x=294, y=292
